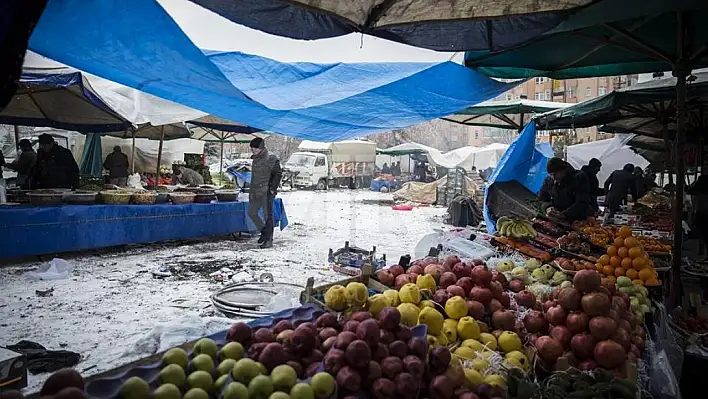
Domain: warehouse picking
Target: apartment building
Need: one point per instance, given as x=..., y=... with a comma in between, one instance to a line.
x=568, y=91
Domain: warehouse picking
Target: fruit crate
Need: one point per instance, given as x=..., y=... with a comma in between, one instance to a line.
x=106, y=385
x=315, y=295
x=511, y=199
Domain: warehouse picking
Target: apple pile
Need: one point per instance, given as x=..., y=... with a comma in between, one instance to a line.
x=592, y=325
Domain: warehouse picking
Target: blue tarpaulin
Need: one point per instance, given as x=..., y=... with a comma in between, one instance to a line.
x=145, y=49
x=524, y=162
x=55, y=229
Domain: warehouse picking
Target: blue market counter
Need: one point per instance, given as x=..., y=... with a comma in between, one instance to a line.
x=32, y=230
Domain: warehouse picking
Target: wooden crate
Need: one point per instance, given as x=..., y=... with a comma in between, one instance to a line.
x=309, y=295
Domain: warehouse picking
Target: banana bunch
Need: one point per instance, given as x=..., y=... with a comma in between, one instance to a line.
x=521, y=229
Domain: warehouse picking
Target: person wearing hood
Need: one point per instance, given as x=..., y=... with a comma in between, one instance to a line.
x=566, y=191
x=617, y=186
x=265, y=179
x=591, y=170
x=117, y=165
x=56, y=166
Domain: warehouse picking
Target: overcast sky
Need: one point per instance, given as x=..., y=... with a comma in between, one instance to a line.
x=210, y=31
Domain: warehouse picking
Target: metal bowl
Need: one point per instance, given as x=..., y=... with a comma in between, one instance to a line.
x=81, y=198
x=226, y=195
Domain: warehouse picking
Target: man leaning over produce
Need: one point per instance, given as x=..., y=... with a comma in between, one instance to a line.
x=566, y=192
x=265, y=179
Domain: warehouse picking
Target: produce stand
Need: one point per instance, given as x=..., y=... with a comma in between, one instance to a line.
x=38, y=230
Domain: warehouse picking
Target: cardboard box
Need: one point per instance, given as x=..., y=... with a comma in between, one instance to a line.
x=13, y=370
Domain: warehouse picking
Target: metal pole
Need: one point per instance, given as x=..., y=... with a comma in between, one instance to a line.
x=159, y=154
x=681, y=71
x=221, y=161
x=668, y=161
x=132, y=154
x=521, y=123
x=17, y=138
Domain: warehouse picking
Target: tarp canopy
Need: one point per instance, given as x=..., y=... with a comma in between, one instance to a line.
x=146, y=151
x=614, y=153
x=522, y=162
x=503, y=114
x=606, y=38
x=145, y=49
x=642, y=109
x=467, y=157
x=444, y=26
x=405, y=149
x=62, y=101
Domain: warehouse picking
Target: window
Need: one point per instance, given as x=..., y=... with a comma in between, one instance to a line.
x=588, y=92
x=571, y=92
x=601, y=91
x=320, y=161
x=539, y=95
x=509, y=96
x=476, y=135
x=540, y=80
x=547, y=95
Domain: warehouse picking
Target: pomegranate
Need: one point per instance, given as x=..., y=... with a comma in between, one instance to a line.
x=496, y=289
x=525, y=298
x=494, y=306
x=609, y=354
x=500, y=278
x=535, y=322
x=602, y=327
x=588, y=365
x=504, y=320
x=479, y=294
x=516, y=285
x=475, y=310
x=582, y=346
x=569, y=298
x=549, y=349
x=433, y=270
x=577, y=322
x=505, y=300
x=561, y=334
x=556, y=315
x=447, y=279
x=481, y=275
x=417, y=269
x=621, y=336
x=587, y=280
x=595, y=304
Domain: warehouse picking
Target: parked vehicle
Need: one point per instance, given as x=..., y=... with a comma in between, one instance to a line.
x=317, y=165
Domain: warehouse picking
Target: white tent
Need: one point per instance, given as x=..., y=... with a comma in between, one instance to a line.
x=614, y=153
x=146, y=151
x=467, y=157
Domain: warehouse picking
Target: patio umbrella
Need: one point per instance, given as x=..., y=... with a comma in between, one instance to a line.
x=503, y=114
x=615, y=37
x=92, y=158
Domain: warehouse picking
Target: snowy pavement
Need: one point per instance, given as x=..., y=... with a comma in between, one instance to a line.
x=113, y=311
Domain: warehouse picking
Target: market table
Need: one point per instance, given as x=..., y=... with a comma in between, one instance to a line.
x=36, y=230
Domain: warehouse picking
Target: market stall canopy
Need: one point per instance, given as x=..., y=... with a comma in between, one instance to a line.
x=503, y=114
x=644, y=109
x=214, y=129
x=606, y=38
x=444, y=26
x=62, y=101
x=405, y=149
x=468, y=157
x=614, y=153
x=327, y=102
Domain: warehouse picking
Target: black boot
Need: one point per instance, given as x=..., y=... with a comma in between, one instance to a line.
x=261, y=239
x=267, y=244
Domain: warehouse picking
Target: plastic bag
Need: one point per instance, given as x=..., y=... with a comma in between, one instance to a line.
x=56, y=269
x=666, y=365
x=453, y=241
x=134, y=181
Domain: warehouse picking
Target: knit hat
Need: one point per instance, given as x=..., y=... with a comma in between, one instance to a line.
x=257, y=143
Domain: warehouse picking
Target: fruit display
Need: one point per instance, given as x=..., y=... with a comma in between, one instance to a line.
x=571, y=242
x=638, y=296
x=547, y=241
x=626, y=257
x=694, y=328
x=651, y=244
x=515, y=228
x=573, y=264
x=548, y=227
x=599, y=384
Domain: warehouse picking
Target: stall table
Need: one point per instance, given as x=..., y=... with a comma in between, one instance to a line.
x=34, y=230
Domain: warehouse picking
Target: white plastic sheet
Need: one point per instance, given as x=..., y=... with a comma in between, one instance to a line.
x=467, y=157
x=56, y=269
x=146, y=151
x=613, y=153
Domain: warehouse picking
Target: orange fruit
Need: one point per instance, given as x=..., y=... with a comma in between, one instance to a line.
x=612, y=279
x=652, y=282
x=608, y=270
x=635, y=252
x=619, y=272
x=598, y=267
x=625, y=232
x=631, y=273
x=615, y=261
x=638, y=282
x=605, y=260
x=638, y=263
x=619, y=242
x=622, y=252
x=631, y=242
x=612, y=250
x=646, y=274
x=626, y=263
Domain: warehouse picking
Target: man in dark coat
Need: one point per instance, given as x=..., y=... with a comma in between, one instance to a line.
x=617, y=186
x=265, y=179
x=24, y=164
x=567, y=192
x=56, y=167
x=591, y=170
x=117, y=165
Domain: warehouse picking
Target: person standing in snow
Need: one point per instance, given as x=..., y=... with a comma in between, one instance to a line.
x=265, y=179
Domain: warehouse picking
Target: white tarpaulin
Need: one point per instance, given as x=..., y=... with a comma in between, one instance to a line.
x=146, y=151
x=467, y=157
x=613, y=153
x=343, y=151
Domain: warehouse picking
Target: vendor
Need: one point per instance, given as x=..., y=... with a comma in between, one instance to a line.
x=117, y=165
x=566, y=191
x=396, y=169
x=56, y=167
x=385, y=170
x=24, y=164
x=591, y=170
x=618, y=186
x=181, y=174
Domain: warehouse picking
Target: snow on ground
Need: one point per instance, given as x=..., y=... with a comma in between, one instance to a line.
x=112, y=309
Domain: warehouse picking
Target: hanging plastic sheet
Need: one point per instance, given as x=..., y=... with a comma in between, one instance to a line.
x=522, y=162
x=145, y=49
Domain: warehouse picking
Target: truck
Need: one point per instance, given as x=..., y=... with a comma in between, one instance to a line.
x=316, y=165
